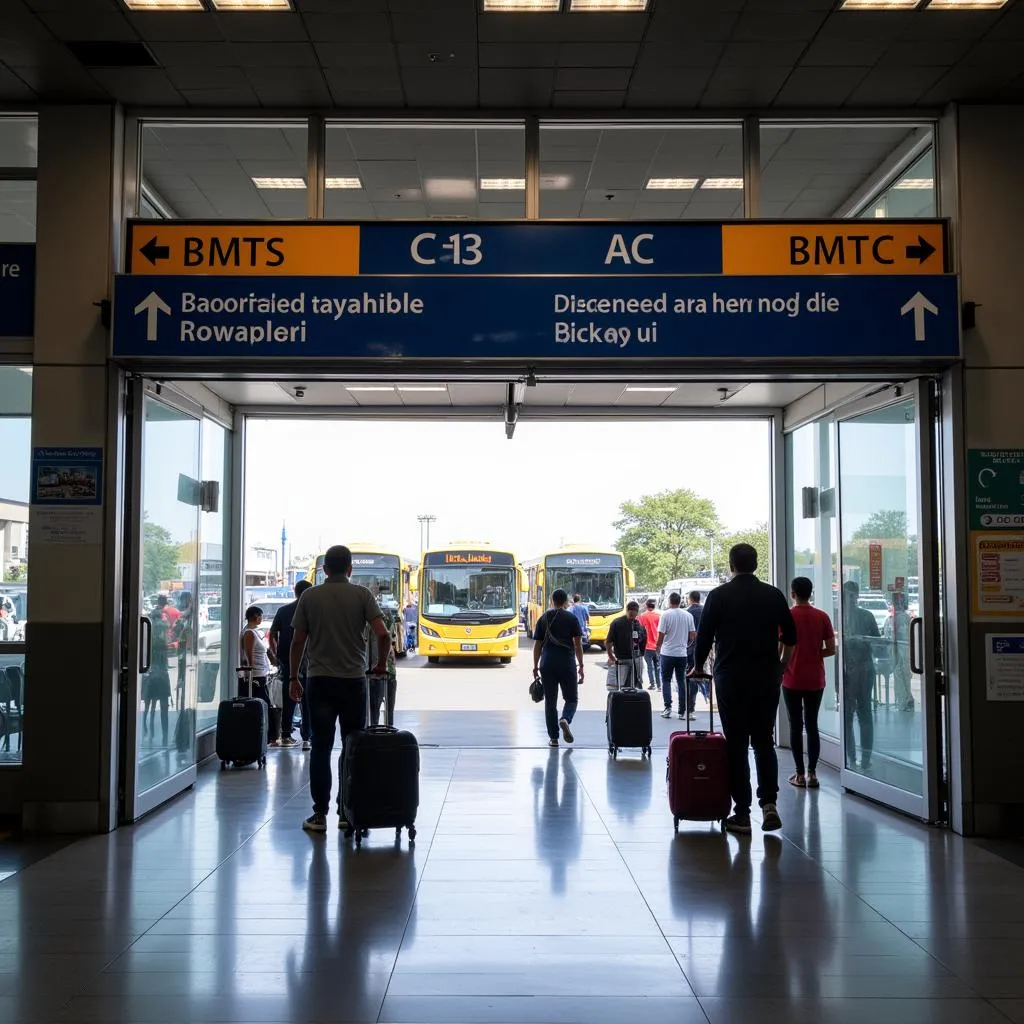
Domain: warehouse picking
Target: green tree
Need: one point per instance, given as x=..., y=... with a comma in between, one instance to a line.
x=665, y=535
x=888, y=528
x=757, y=537
x=159, y=556
x=882, y=525
x=16, y=573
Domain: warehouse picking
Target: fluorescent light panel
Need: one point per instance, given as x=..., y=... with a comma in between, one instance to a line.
x=164, y=5
x=734, y=183
x=503, y=184
x=644, y=387
x=878, y=5
x=422, y=387
x=343, y=183
x=252, y=5
x=521, y=6
x=966, y=5
x=672, y=183
x=635, y=6
x=294, y=183
x=369, y=387
x=913, y=184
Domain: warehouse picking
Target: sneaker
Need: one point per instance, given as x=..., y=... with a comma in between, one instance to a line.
x=289, y=742
x=316, y=822
x=274, y=743
x=651, y=686
x=566, y=731
x=667, y=713
x=738, y=824
x=682, y=715
x=552, y=743
x=305, y=744
x=772, y=822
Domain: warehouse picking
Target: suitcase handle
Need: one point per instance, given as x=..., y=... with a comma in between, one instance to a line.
x=711, y=692
x=389, y=711
x=245, y=675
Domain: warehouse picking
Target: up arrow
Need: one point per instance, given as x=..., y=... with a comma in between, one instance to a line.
x=918, y=305
x=152, y=305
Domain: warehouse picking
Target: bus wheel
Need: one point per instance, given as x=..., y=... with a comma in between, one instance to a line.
x=432, y=659
x=505, y=661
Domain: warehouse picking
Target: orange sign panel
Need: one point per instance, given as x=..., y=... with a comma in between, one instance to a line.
x=836, y=248
x=250, y=250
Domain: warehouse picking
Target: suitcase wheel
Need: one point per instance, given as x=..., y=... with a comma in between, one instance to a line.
x=412, y=835
x=223, y=766
x=349, y=832
x=675, y=824
x=359, y=839
x=615, y=753
x=261, y=763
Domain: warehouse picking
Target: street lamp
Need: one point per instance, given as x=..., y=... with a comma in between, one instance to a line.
x=711, y=538
x=425, y=520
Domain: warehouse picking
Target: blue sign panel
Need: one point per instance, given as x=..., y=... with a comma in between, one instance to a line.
x=17, y=290
x=448, y=317
x=67, y=476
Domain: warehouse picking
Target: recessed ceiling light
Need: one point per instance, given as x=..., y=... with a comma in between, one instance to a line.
x=450, y=188
x=908, y=184
x=422, y=387
x=369, y=387
x=503, y=184
x=644, y=387
x=608, y=5
x=521, y=6
x=252, y=5
x=722, y=183
x=343, y=183
x=164, y=5
x=878, y=5
x=967, y=5
x=672, y=183
x=279, y=182
x=556, y=181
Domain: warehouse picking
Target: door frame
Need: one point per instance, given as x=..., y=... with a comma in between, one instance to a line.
x=134, y=805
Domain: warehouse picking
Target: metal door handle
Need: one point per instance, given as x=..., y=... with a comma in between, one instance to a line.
x=916, y=636
x=145, y=644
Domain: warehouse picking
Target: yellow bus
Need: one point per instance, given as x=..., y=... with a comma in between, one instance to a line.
x=601, y=578
x=385, y=574
x=469, y=603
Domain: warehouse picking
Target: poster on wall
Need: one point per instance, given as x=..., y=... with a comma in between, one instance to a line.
x=995, y=494
x=997, y=577
x=67, y=495
x=875, y=565
x=1004, y=667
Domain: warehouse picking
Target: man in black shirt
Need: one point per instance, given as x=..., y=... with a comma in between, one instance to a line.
x=752, y=629
x=627, y=640
x=281, y=633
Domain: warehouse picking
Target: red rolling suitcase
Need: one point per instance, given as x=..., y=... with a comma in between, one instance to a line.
x=698, y=775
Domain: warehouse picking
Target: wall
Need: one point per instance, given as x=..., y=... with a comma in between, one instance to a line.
x=991, y=225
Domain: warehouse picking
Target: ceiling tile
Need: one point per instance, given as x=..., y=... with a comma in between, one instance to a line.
x=244, y=96
x=675, y=87
x=820, y=87
x=516, y=88
x=597, y=55
x=883, y=83
x=840, y=53
x=13, y=88
x=518, y=55
x=440, y=87
x=83, y=25
x=279, y=26
x=770, y=27
x=348, y=28
x=436, y=53
x=674, y=22
x=455, y=28
x=354, y=57
x=685, y=54
x=596, y=100
x=170, y=25
x=587, y=79
x=138, y=86
x=275, y=55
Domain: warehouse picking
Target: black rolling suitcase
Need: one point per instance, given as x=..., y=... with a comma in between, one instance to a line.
x=629, y=717
x=380, y=778
x=242, y=727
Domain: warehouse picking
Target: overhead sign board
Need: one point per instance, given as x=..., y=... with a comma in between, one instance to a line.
x=17, y=290
x=537, y=291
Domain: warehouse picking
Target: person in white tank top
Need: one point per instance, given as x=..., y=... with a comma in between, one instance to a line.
x=253, y=652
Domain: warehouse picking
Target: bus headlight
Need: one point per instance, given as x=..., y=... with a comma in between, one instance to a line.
x=511, y=631
x=427, y=631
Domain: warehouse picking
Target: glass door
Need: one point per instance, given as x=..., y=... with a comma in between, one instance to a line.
x=160, y=679
x=889, y=626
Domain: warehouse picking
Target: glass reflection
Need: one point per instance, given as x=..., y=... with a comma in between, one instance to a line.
x=557, y=815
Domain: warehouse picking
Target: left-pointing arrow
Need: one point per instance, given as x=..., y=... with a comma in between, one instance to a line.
x=154, y=251
x=152, y=305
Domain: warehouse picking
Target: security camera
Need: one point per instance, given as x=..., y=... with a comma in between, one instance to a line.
x=300, y=392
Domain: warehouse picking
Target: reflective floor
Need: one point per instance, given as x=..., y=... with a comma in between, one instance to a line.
x=544, y=887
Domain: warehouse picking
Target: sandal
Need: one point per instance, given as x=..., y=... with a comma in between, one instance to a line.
x=796, y=779
x=812, y=781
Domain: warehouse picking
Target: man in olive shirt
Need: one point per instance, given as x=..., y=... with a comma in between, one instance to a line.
x=329, y=626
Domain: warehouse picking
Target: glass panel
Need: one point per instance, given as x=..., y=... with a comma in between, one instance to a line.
x=12, y=706
x=19, y=141
x=215, y=678
x=167, y=698
x=813, y=538
x=822, y=172
x=911, y=195
x=17, y=211
x=381, y=172
x=879, y=495
x=213, y=171
x=641, y=172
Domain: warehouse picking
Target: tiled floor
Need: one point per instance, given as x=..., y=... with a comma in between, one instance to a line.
x=544, y=887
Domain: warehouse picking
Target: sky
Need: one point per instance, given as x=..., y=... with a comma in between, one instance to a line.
x=552, y=484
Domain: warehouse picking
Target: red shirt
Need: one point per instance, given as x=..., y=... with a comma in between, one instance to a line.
x=806, y=669
x=650, y=620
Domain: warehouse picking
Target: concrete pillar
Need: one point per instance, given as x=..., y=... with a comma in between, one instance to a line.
x=69, y=750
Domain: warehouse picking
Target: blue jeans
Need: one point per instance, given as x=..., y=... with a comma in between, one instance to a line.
x=331, y=701
x=653, y=667
x=555, y=676
x=673, y=663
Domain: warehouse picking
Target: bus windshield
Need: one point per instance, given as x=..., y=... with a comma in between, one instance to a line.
x=382, y=583
x=470, y=594
x=599, y=589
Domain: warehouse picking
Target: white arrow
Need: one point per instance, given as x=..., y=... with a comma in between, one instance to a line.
x=919, y=305
x=152, y=305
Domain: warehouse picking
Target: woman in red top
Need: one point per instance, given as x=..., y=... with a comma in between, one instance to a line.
x=804, y=681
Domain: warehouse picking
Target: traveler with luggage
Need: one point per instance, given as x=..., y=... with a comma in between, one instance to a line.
x=330, y=621
x=859, y=637
x=557, y=648
x=280, y=637
x=803, y=683
x=582, y=613
x=675, y=631
x=627, y=640
x=254, y=655
x=649, y=620
x=383, y=690
x=753, y=632
x=694, y=607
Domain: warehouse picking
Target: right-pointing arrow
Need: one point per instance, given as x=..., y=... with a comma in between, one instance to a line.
x=152, y=305
x=919, y=305
x=921, y=251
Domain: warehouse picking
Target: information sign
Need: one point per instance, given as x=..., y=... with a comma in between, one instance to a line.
x=1004, y=667
x=17, y=290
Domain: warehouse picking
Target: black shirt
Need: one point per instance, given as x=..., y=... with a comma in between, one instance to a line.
x=559, y=626
x=281, y=630
x=695, y=611
x=628, y=637
x=746, y=620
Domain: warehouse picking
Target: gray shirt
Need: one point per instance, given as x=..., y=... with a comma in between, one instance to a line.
x=335, y=615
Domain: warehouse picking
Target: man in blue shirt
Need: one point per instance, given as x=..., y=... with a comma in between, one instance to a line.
x=582, y=613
